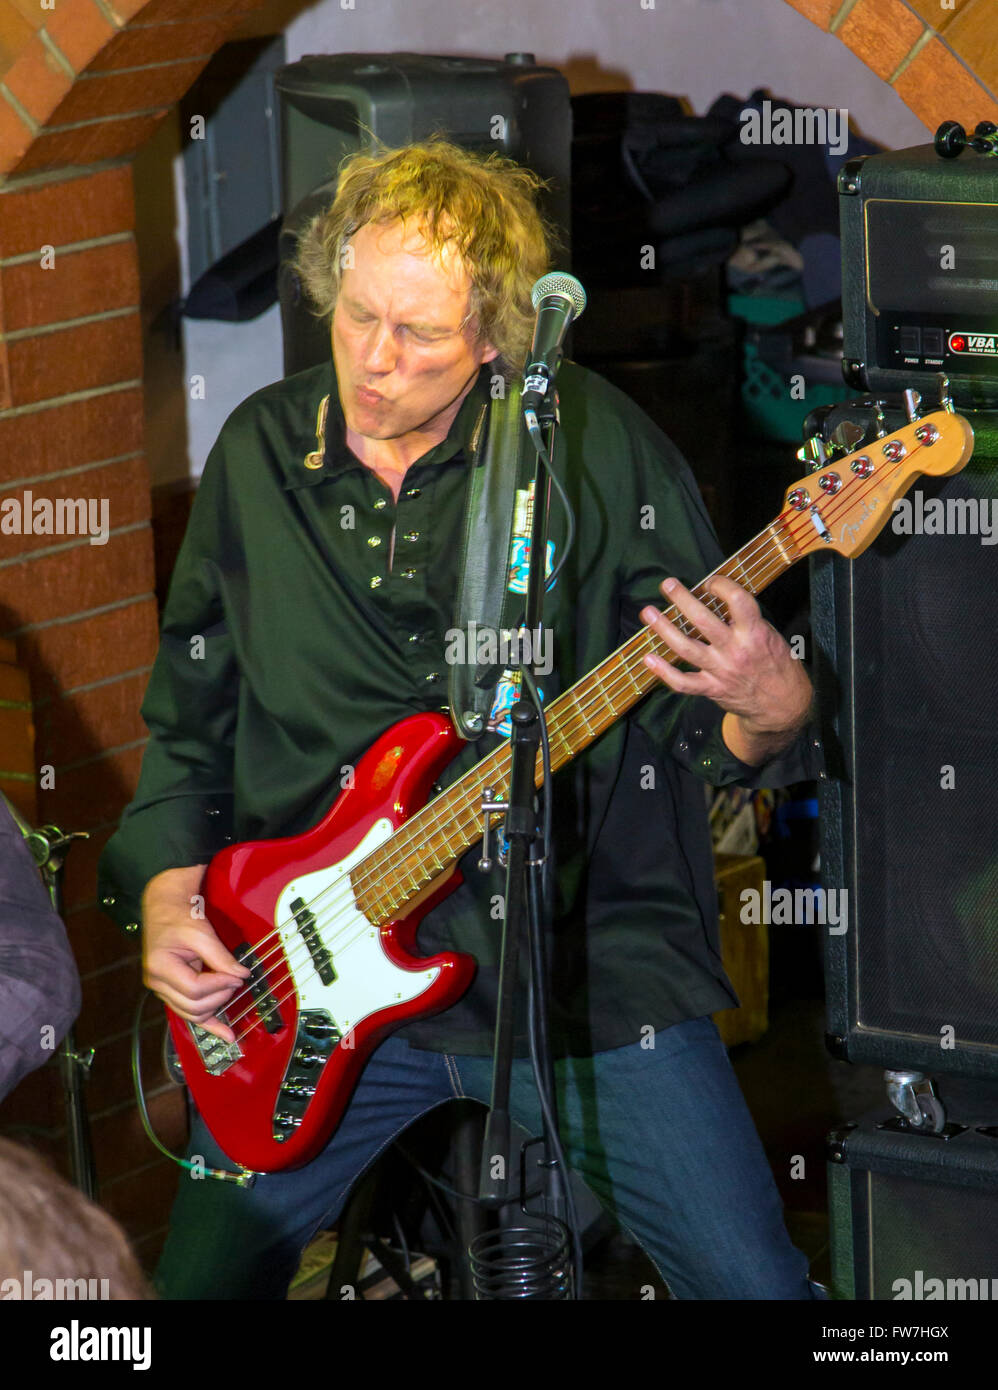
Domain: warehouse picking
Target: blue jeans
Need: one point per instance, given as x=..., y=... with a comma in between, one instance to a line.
x=661, y=1135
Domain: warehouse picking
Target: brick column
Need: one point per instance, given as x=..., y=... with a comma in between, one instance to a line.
x=83, y=615
x=82, y=87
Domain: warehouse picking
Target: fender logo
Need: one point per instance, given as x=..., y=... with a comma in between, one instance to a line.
x=850, y=529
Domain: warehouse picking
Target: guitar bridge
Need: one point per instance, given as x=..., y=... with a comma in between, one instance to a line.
x=216, y=1054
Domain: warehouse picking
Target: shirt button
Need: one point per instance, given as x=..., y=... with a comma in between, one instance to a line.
x=408, y=574
x=433, y=676
x=413, y=491
x=415, y=637
x=380, y=504
x=412, y=535
x=373, y=541
x=376, y=582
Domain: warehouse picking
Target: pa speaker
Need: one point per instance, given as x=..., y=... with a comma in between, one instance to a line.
x=335, y=106
x=907, y=680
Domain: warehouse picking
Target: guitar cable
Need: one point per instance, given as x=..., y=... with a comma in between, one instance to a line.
x=245, y=1177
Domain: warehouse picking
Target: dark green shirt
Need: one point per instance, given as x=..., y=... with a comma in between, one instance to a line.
x=289, y=644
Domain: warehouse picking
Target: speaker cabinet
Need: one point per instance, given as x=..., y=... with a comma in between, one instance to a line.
x=914, y=1216
x=907, y=675
x=334, y=106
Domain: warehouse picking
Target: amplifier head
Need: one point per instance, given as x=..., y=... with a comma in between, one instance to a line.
x=920, y=272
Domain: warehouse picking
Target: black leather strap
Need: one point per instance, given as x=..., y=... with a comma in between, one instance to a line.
x=499, y=467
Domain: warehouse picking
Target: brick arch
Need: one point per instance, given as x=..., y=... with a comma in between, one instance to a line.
x=942, y=62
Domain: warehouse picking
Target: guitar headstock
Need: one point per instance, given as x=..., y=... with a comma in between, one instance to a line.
x=846, y=501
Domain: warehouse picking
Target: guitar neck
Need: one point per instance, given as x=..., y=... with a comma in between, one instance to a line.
x=429, y=842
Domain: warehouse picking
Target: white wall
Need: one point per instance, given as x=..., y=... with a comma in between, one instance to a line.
x=691, y=48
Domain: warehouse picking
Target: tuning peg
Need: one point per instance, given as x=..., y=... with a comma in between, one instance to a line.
x=879, y=417
x=985, y=138
x=945, y=399
x=846, y=435
x=813, y=452
x=912, y=401
x=950, y=140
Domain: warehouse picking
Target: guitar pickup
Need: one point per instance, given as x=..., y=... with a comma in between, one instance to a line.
x=266, y=1004
x=321, y=958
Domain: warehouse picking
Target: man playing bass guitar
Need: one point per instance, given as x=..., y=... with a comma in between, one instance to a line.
x=309, y=612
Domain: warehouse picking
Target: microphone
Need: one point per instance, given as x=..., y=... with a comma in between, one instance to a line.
x=558, y=300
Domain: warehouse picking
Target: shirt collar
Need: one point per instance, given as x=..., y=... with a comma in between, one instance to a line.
x=338, y=458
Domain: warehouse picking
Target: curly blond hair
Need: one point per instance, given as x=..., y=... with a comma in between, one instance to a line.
x=483, y=206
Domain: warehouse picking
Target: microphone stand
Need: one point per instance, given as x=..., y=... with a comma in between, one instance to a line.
x=509, y=1273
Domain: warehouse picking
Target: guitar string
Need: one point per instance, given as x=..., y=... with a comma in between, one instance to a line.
x=717, y=606
x=766, y=550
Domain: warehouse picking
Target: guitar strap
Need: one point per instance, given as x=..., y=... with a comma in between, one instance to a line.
x=502, y=462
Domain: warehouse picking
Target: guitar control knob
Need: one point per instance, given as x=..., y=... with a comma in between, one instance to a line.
x=862, y=466
x=830, y=482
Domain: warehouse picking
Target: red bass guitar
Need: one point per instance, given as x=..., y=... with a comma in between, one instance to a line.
x=327, y=921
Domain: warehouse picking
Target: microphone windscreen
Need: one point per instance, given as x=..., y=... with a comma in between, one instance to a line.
x=557, y=282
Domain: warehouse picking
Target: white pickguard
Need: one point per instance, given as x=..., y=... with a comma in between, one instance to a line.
x=366, y=978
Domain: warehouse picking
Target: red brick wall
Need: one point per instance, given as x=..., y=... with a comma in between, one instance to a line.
x=81, y=89
x=84, y=619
